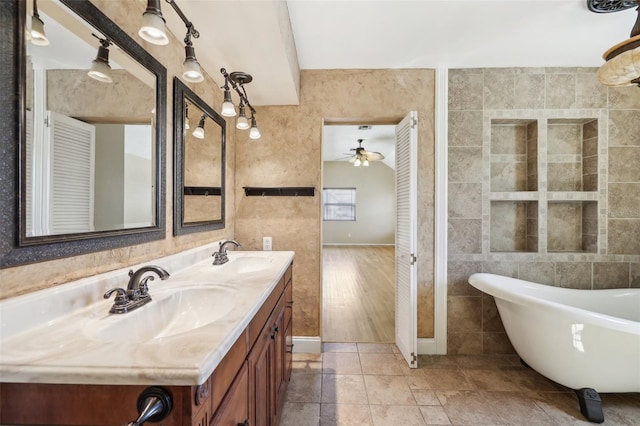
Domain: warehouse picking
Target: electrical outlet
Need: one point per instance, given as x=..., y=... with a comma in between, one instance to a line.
x=267, y=244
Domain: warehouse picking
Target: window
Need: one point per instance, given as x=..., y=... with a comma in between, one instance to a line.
x=339, y=204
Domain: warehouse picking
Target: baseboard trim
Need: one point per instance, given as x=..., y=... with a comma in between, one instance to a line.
x=307, y=344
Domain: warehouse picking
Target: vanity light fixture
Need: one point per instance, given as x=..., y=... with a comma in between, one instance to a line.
x=100, y=68
x=37, y=35
x=191, y=71
x=199, y=131
x=237, y=80
x=622, y=66
x=153, y=28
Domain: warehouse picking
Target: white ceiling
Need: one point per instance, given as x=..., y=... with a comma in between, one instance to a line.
x=252, y=36
x=338, y=140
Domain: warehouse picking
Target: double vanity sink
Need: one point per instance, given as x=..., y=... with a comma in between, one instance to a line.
x=67, y=335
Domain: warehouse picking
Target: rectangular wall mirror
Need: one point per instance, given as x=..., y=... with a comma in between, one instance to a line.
x=91, y=158
x=199, y=163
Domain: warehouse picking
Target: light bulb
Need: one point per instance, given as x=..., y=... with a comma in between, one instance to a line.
x=357, y=163
x=38, y=37
x=365, y=163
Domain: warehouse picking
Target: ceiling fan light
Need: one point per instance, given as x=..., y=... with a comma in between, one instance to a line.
x=38, y=36
x=621, y=70
x=357, y=163
x=152, y=28
x=365, y=163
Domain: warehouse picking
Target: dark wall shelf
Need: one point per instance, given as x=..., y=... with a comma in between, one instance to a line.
x=291, y=191
x=202, y=190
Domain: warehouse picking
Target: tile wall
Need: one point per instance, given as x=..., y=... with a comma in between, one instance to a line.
x=543, y=185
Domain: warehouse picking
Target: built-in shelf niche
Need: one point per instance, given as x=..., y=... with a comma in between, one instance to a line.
x=572, y=226
x=572, y=154
x=514, y=155
x=514, y=226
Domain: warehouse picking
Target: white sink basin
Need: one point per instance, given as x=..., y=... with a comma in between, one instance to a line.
x=174, y=311
x=244, y=265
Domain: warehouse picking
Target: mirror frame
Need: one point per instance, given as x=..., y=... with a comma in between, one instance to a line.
x=182, y=93
x=15, y=249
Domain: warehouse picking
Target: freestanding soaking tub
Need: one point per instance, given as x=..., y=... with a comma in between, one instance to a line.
x=586, y=340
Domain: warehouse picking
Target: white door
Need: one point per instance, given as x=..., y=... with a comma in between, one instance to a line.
x=406, y=226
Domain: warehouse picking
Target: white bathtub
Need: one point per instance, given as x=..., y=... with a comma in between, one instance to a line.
x=578, y=338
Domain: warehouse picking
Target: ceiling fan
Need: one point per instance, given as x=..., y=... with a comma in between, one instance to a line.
x=362, y=156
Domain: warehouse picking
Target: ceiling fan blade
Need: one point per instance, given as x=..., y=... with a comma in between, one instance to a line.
x=374, y=156
x=352, y=159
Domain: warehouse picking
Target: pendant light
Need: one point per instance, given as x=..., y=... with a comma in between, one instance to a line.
x=191, y=71
x=254, y=133
x=242, y=123
x=100, y=68
x=153, y=24
x=37, y=35
x=228, y=109
x=199, y=131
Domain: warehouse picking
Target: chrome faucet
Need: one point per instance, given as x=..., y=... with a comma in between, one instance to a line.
x=137, y=292
x=220, y=257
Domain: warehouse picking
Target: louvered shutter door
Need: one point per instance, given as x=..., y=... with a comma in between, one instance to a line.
x=72, y=174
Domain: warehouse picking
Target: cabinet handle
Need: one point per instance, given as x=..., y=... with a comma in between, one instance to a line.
x=245, y=423
x=275, y=333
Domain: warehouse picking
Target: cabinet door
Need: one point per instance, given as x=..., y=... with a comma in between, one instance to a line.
x=280, y=347
x=234, y=409
x=261, y=394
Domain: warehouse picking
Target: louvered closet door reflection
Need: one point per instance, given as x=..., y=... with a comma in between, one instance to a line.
x=406, y=224
x=72, y=144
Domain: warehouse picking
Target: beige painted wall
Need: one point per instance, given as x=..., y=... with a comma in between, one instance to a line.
x=375, y=203
x=28, y=278
x=289, y=154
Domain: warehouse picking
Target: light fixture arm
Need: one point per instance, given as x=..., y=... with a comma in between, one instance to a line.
x=35, y=9
x=238, y=86
x=191, y=30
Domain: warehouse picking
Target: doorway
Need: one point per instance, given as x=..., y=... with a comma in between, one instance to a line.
x=358, y=233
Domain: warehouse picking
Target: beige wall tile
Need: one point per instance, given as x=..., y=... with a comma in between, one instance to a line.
x=465, y=89
x=564, y=139
x=564, y=177
x=464, y=343
x=529, y=91
x=496, y=343
x=560, y=91
x=624, y=127
x=590, y=93
x=623, y=98
x=624, y=200
x=610, y=275
x=465, y=200
x=573, y=275
x=491, y=320
x=623, y=164
x=508, y=226
x=624, y=236
x=564, y=225
x=508, y=139
x=464, y=313
x=458, y=274
x=537, y=272
x=465, y=128
x=506, y=177
x=634, y=272
x=465, y=164
x=499, y=88
x=464, y=236
x=507, y=269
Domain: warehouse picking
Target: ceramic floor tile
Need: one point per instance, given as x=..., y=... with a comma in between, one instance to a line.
x=300, y=414
x=343, y=389
x=486, y=361
x=396, y=415
x=435, y=415
x=530, y=381
x=390, y=390
x=436, y=361
x=562, y=407
x=425, y=397
x=619, y=411
x=516, y=408
x=468, y=408
x=341, y=363
x=447, y=379
x=417, y=380
x=339, y=347
x=304, y=388
x=491, y=379
x=303, y=363
x=383, y=364
x=378, y=348
x=345, y=415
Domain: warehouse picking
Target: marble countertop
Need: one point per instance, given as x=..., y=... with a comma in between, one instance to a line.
x=66, y=347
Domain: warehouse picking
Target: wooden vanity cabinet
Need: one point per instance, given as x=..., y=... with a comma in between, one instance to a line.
x=247, y=387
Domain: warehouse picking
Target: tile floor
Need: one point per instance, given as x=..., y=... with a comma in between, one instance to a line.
x=370, y=384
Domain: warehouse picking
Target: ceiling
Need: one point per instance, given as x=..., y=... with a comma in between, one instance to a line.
x=274, y=39
x=338, y=140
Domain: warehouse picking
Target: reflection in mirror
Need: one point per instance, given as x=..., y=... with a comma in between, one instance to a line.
x=199, y=155
x=86, y=156
x=89, y=139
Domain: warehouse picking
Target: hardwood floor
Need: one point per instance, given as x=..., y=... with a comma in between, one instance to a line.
x=358, y=294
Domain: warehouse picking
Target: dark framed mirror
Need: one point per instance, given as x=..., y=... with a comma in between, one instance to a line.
x=83, y=159
x=198, y=163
